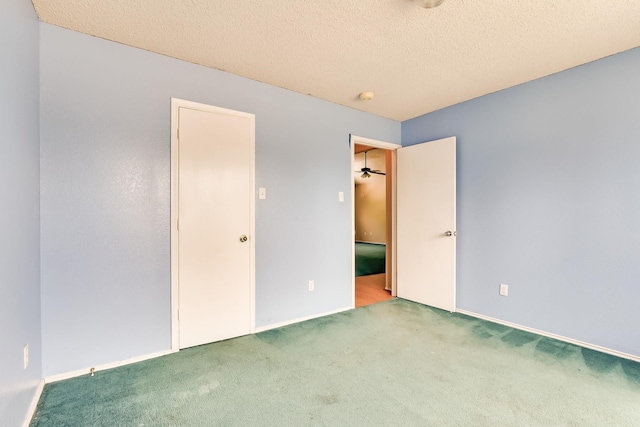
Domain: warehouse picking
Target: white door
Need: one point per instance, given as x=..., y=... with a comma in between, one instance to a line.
x=215, y=253
x=426, y=223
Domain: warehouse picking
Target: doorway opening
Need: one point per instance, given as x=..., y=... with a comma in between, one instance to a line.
x=373, y=235
x=420, y=253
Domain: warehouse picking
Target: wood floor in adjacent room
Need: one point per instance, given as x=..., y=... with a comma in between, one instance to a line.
x=370, y=289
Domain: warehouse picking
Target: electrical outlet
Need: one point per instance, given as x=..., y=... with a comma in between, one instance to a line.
x=25, y=353
x=312, y=285
x=504, y=290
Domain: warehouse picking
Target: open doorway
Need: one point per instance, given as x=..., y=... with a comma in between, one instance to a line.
x=421, y=245
x=372, y=224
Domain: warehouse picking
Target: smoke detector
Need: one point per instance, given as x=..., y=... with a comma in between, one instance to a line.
x=429, y=4
x=367, y=96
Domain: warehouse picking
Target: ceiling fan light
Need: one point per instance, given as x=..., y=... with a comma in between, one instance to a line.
x=365, y=175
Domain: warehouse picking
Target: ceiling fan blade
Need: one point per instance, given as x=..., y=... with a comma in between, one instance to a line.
x=366, y=172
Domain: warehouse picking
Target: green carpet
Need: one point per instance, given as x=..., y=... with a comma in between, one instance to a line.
x=370, y=258
x=395, y=363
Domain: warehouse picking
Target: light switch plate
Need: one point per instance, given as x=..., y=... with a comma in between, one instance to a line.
x=262, y=193
x=341, y=196
x=504, y=290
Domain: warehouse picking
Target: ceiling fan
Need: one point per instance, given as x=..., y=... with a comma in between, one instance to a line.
x=366, y=172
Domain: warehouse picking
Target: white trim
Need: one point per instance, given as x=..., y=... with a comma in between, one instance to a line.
x=252, y=225
x=175, y=105
x=354, y=139
x=353, y=220
x=105, y=366
x=31, y=411
x=551, y=335
x=175, y=330
x=301, y=319
x=394, y=224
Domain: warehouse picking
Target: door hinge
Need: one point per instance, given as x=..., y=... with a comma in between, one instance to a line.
x=178, y=134
x=178, y=224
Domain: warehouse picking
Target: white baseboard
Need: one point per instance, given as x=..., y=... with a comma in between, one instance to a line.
x=87, y=371
x=34, y=404
x=301, y=319
x=554, y=336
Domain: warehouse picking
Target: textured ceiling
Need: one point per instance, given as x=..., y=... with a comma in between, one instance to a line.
x=415, y=60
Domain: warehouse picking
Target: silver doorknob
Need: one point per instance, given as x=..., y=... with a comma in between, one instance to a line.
x=450, y=233
x=243, y=238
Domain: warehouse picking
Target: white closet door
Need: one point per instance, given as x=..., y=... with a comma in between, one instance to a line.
x=214, y=222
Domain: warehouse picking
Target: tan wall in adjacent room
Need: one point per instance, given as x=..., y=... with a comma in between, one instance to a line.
x=370, y=203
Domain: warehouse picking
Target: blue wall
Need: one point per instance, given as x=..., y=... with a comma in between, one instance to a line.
x=547, y=189
x=19, y=216
x=549, y=199
x=105, y=147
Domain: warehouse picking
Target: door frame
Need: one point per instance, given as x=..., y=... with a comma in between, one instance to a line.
x=176, y=104
x=392, y=147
